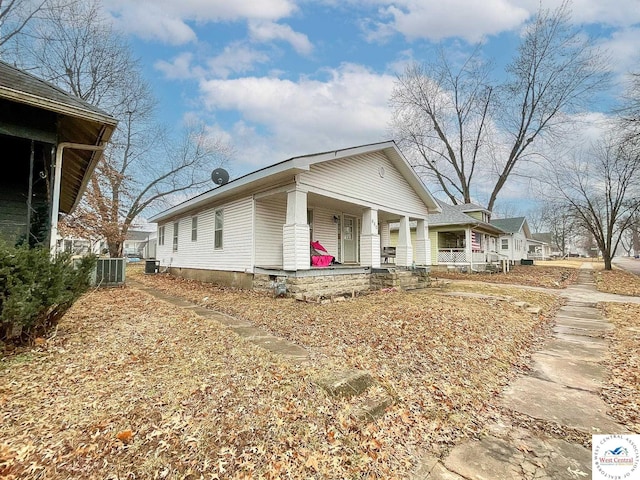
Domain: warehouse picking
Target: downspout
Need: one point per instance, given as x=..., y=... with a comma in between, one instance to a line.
x=57, y=181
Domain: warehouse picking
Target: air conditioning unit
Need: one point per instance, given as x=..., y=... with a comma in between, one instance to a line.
x=109, y=272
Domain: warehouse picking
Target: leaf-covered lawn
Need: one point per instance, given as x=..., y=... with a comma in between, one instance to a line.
x=530, y=275
x=131, y=387
x=618, y=281
x=622, y=392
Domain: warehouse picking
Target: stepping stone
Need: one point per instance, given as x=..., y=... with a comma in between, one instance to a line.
x=583, y=332
x=568, y=371
x=345, y=383
x=577, y=303
x=573, y=335
x=585, y=324
x=534, y=310
x=371, y=408
x=594, y=315
x=579, y=351
x=551, y=402
x=501, y=459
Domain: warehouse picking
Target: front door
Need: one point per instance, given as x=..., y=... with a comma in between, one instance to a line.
x=349, y=240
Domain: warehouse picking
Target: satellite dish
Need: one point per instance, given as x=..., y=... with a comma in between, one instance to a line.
x=220, y=176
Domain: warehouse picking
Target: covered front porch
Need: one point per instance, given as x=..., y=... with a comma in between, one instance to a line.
x=356, y=235
x=466, y=248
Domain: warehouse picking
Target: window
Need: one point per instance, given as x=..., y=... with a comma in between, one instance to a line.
x=217, y=236
x=194, y=229
x=505, y=244
x=161, y=235
x=175, y=237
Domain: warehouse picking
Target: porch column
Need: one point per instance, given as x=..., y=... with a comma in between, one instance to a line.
x=404, y=250
x=467, y=246
x=370, y=239
x=423, y=244
x=295, y=233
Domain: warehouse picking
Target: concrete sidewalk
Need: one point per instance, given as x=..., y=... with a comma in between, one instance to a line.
x=550, y=414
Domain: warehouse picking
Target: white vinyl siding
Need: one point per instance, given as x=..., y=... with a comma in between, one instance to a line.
x=237, y=240
x=359, y=178
x=326, y=230
x=271, y=213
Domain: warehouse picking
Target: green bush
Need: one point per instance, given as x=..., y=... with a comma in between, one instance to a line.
x=36, y=290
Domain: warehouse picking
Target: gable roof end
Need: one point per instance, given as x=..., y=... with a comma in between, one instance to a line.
x=285, y=169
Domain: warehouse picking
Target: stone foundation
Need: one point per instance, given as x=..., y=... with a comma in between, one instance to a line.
x=312, y=287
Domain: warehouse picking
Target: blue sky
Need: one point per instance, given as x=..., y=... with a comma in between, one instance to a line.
x=280, y=78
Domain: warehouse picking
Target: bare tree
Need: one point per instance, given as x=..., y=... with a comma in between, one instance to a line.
x=17, y=15
x=455, y=122
x=143, y=165
x=599, y=191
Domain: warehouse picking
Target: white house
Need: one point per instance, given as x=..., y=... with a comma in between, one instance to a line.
x=513, y=242
x=259, y=227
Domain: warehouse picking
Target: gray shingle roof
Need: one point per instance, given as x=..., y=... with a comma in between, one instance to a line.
x=26, y=88
x=509, y=225
x=454, y=215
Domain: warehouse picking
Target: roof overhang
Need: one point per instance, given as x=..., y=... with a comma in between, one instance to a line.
x=75, y=121
x=284, y=172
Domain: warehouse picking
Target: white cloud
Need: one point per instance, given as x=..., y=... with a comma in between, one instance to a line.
x=308, y=115
x=235, y=58
x=264, y=31
x=179, y=68
x=472, y=20
x=166, y=20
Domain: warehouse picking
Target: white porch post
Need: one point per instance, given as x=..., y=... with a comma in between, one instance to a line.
x=467, y=247
x=295, y=233
x=423, y=244
x=370, y=239
x=404, y=251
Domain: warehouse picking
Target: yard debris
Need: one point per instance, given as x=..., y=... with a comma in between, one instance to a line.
x=200, y=400
x=533, y=276
x=618, y=281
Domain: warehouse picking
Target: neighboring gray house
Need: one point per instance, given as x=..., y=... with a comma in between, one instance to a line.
x=261, y=225
x=50, y=143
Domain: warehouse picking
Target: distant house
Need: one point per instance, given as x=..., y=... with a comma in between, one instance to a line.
x=50, y=143
x=258, y=228
x=513, y=241
x=462, y=236
x=541, y=246
x=139, y=244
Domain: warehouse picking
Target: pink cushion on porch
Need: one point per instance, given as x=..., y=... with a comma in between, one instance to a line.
x=318, y=246
x=321, y=260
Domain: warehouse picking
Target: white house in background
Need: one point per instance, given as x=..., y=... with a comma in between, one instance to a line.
x=539, y=247
x=513, y=242
x=258, y=228
x=139, y=244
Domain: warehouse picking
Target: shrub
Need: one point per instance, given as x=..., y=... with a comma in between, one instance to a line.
x=36, y=290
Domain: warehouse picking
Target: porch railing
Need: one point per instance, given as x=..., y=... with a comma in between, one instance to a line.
x=452, y=255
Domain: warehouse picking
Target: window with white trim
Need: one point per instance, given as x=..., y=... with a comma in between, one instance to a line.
x=161, y=235
x=218, y=227
x=194, y=229
x=175, y=236
x=504, y=244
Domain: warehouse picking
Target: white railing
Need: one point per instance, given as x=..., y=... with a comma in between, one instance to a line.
x=452, y=255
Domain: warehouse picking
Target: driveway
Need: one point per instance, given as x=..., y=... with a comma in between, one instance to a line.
x=629, y=264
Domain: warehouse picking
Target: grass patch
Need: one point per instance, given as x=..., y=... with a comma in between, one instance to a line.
x=622, y=390
x=132, y=387
x=618, y=281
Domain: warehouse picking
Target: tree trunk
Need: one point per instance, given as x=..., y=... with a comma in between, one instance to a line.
x=115, y=249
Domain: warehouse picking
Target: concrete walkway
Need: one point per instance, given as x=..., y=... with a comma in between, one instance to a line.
x=547, y=416
x=286, y=349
